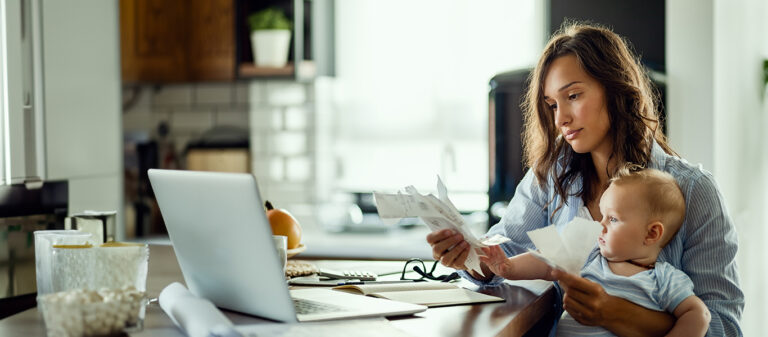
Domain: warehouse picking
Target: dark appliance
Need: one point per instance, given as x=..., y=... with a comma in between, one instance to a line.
x=22, y=212
x=506, y=167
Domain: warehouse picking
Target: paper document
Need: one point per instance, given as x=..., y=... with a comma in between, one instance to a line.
x=437, y=212
x=373, y=327
x=567, y=251
x=431, y=294
x=196, y=316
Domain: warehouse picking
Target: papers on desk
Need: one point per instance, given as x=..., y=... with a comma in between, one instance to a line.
x=374, y=327
x=196, y=316
x=431, y=294
x=437, y=212
x=567, y=251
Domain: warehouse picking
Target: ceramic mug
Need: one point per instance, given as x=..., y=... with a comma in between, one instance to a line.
x=281, y=244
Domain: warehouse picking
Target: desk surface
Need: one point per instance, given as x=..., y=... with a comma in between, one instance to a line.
x=527, y=302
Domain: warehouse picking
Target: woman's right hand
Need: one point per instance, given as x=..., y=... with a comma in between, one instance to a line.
x=449, y=248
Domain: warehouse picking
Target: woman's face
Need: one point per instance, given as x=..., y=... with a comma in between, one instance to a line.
x=579, y=106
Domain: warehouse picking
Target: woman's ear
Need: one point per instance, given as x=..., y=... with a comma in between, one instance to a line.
x=654, y=232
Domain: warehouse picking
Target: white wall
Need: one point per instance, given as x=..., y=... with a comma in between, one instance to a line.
x=690, y=76
x=81, y=65
x=714, y=53
x=740, y=142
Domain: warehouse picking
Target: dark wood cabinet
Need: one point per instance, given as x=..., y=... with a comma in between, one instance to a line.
x=177, y=40
x=172, y=41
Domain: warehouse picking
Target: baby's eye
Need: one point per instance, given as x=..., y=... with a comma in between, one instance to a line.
x=612, y=219
x=573, y=96
x=553, y=106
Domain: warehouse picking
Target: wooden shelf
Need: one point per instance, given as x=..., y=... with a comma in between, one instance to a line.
x=246, y=70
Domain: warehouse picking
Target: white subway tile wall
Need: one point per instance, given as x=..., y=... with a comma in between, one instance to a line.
x=172, y=95
x=214, y=94
x=277, y=113
x=286, y=93
x=295, y=118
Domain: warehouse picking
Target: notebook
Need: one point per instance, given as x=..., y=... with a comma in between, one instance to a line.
x=431, y=294
x=223, y=243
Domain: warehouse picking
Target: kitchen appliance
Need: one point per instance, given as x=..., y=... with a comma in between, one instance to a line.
x=22, y=212
x=60, y=137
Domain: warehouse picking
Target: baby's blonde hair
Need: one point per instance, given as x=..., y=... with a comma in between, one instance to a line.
x=662, y=194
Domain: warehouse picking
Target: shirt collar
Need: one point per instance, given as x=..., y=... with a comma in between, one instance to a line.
x=658, y=156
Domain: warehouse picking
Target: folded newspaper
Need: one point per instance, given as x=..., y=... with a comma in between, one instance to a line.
x=437, y=212
x=569, y=249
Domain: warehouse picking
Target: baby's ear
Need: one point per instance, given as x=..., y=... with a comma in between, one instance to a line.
x=654, y=232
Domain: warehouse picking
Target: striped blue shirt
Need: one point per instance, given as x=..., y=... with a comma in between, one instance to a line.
x=660, y=289
x=704, y=247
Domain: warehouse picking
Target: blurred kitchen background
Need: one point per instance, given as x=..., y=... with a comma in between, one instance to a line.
x=377, y=95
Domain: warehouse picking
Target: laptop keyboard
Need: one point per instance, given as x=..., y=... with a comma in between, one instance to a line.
x=306, y=307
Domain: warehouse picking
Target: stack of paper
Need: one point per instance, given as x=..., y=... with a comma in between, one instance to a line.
x=437, y=212
x=567, y=250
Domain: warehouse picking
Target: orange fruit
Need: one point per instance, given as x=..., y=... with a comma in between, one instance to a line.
x=283, y=223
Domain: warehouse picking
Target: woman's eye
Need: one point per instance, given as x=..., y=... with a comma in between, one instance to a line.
x=573, y=96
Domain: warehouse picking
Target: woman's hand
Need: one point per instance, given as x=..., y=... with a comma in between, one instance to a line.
x=498, y=262
x=585, y=300
x=449, y=248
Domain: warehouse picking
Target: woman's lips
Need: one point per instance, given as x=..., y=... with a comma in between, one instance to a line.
x=571, y=134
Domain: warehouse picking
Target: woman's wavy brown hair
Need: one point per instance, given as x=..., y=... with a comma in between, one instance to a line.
x=631, y=107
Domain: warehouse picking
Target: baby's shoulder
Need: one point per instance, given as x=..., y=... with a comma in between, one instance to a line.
x=666, y=272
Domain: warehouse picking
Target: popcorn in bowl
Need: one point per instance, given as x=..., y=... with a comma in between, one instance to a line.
x=82, y=312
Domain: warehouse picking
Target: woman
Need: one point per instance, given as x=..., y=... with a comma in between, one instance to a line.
x=589, y=112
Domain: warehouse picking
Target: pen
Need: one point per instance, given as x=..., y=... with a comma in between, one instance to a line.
x=352, y=282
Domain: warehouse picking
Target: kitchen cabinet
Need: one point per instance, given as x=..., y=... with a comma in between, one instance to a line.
x=312, y=40
x=177, y=40
x=22, y=156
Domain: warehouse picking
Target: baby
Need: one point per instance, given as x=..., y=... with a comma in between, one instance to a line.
x=642, y=211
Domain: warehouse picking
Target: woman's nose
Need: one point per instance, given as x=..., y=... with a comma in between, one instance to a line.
x=562, y=116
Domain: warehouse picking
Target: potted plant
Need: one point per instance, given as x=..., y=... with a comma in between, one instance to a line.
x=270, y=37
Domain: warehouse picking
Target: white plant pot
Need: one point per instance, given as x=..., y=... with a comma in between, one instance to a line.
x=270, y=47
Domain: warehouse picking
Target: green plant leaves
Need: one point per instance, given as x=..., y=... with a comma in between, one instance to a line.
x=270, y=18
x=765, y=73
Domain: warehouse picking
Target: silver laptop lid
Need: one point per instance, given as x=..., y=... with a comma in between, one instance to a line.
x=223, y=241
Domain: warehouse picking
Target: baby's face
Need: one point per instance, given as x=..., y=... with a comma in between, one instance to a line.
x=625, y=216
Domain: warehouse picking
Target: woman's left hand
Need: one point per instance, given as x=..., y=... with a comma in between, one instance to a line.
x=586, y=301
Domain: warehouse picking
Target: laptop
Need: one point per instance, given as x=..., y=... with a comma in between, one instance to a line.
x=223, y=242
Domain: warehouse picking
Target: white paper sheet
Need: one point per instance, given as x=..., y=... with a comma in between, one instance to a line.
x=437, y=212
x=373, y=327
x=196, y=316
x=570, y=250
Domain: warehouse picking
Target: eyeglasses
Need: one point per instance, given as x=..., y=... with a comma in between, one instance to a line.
x=420, y=268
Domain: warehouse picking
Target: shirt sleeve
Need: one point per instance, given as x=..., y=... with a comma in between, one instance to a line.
x=708, y=257
x=526, y=211
x=674, y=287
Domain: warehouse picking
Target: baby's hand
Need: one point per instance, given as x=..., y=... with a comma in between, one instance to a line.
x=498, y=262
